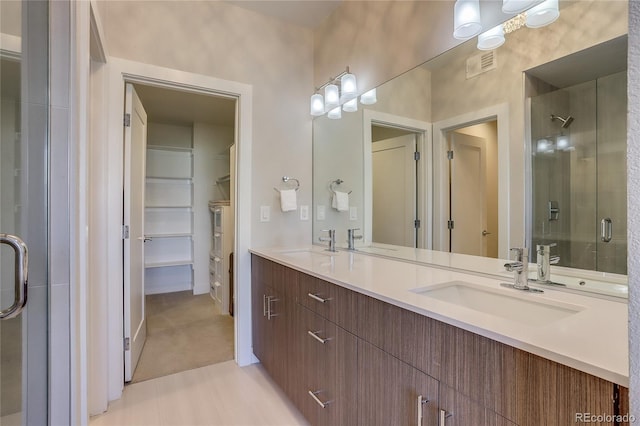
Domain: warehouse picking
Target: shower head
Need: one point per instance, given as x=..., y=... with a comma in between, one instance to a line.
x=566, y=122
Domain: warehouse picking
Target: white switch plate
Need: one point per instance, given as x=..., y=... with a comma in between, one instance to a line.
x=265, y=213
x=304, y=212
x=320, y=213
x=353, y=213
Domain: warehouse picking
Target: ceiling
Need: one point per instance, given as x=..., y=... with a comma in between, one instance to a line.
x=177, y=107
x=305, y=13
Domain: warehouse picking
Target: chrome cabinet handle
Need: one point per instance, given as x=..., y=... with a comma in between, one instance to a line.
x=606, y=229
x=421, y=402
x=316, y=399
x=264, y=305
x=443, y=416
x=314, y=334
x=318, y=298
x=21, y=276
x=270, y=314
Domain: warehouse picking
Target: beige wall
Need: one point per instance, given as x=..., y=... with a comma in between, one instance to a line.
x=224, y=41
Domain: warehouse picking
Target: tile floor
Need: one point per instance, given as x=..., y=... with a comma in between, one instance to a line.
x=220, y=394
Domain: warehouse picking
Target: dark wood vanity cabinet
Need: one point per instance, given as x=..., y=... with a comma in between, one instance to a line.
x=345, y=358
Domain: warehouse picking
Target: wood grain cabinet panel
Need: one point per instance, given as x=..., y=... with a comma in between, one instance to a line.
x=380, y=324
x=388, y=390
x=329, y=371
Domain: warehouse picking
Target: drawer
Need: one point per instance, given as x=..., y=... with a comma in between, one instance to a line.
x=331, y=301
x=216, y=244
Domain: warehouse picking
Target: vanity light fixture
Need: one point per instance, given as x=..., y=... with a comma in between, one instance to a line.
x=340, y=93
x=331, y=97
x=517, y=6
x=369, y=98
x=543, y=14
x=491, y=39
x=335, y=113
x=466, y=19
x=351, y=106
x=317, y=104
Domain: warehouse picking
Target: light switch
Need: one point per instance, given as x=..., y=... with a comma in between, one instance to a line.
x=304, y=212
x=353, y=213
x=320, y=213
x=265, y=213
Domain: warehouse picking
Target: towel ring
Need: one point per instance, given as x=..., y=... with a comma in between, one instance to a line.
x=287, y=179
x=336, y=182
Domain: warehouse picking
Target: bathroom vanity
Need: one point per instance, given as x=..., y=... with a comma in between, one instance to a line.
x=354, y=339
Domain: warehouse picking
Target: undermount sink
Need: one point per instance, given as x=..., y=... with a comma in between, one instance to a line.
x=522, y=307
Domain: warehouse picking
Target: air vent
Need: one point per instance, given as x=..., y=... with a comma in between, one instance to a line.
x=481, y=63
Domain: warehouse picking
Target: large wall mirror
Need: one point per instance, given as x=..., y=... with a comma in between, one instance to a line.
x=475, y=152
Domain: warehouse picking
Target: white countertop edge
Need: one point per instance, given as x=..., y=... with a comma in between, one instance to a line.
x=614, y=376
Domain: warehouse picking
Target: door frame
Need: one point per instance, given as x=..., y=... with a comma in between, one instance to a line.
x=424, y=178
x=500, y=113
x=120, y=72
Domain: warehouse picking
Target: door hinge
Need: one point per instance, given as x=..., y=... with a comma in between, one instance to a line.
x=450, y=155
x=416, y=223
x=416, y=155
x=450, y=224
x=127, y=343
x=127, y=120
x=125, y=232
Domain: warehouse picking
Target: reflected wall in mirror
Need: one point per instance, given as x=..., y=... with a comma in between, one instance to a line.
x=466, y=89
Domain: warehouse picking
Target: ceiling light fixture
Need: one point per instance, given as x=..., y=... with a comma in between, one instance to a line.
x=466, y=19
x=369, y=98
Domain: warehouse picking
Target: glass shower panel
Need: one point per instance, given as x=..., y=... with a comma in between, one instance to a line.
x=578, y=146
x=612, y=176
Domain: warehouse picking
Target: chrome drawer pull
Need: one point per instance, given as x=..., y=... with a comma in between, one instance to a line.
x=264, y=305
x=443, y=416
x=318, y=298
x=316, y=399
x=315, y=336
x=270, y=313
x=421, y=402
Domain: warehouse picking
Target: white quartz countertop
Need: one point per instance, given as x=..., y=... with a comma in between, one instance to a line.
x=592, y=338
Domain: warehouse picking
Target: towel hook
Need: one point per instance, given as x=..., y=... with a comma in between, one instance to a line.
x=287, y=179
x=336, y=182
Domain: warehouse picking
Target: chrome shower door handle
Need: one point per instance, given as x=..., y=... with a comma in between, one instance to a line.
x=21, y=276
x=606, y=230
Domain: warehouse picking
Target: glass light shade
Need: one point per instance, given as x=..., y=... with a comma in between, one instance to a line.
x=369, y=98
x=542, y=14
x=562, y=142
x=317, y=104
x=349, y=87
x=335, y=113
x=466, y=19
x=491, y=39
x=331, y=97
x=517, y=6
x=351, y=106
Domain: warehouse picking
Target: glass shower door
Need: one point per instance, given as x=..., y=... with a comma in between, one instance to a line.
x=23, y=212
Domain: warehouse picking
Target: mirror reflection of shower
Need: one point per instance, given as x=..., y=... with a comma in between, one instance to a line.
x=578, y=162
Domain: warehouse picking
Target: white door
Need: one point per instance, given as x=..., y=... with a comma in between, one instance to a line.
x=135, y=143
x=394, y=191
x=467, y=196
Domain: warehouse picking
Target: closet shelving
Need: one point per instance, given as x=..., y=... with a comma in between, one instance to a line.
x=168, y=219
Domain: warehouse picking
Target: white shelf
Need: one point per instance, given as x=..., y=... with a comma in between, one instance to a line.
x=168, y=193
x=169, y=162
x=164, y=235
x=168, y=221
x=168, y=263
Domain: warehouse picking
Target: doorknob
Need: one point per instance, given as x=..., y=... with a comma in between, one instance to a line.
x=145, y=239
x=485, y=233
x=21, y=269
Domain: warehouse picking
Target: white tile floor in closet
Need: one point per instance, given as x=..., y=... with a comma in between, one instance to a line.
x=219, y=394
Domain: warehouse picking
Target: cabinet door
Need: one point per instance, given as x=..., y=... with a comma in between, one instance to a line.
x=391, y=392
x=327, y=389
x=258, y=307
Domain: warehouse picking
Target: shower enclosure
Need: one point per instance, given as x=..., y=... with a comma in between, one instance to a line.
x=578, y=140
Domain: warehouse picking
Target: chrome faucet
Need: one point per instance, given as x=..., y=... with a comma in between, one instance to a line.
x=351, y=237
x=544, y=261
x=331, y=239
x=520, y=269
